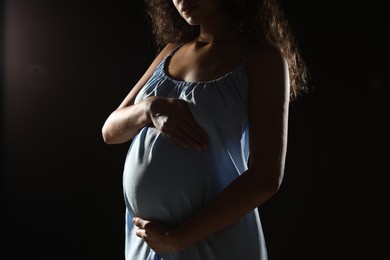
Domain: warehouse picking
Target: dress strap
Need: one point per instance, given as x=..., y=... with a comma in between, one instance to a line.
x=176, y=48
x=249, y=56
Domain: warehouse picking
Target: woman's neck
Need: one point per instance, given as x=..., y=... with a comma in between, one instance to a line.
x=220, y=29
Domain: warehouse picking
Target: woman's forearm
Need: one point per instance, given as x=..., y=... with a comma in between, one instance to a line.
x=124, y=123
x=246, y=193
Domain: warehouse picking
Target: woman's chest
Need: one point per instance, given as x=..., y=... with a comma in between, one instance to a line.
x=202, y=64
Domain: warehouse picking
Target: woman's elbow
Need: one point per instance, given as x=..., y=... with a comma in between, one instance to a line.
x=270, y=180
x=111, y=135
x=273, y=185
x=269, y=173
x=107, y=135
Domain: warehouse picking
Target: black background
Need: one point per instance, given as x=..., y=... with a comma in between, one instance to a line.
x=68, y=64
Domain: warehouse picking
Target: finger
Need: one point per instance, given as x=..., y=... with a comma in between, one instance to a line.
x=182, y=137
x=140, y=233
x=191, y=122
x=139, y=222
x=194, y=131
x=177, y=137
x=192, y=134
x=173, y=129
x=186, y=132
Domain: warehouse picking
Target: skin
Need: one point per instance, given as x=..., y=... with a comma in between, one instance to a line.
x=222, y=50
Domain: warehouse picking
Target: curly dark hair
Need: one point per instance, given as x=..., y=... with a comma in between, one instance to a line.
x=262, y=20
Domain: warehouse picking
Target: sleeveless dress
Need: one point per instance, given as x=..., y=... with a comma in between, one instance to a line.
x=165, y=182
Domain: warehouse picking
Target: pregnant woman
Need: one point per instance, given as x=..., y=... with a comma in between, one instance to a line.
x=208, y=129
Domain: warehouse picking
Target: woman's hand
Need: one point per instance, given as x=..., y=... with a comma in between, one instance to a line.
x=158, y=236
x=173, y=118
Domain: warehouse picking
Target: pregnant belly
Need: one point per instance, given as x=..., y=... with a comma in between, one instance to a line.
x=163, y=181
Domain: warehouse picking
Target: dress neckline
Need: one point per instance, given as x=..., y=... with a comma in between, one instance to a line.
x=166, y=60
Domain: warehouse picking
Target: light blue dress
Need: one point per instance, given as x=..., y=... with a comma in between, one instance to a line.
x=167, y=183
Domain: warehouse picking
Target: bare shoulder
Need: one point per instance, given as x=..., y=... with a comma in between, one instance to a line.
x=164, y=52
x=157, y=60
x=267, y=71
x=265, y=59
x=130, y=98
x=169, y=48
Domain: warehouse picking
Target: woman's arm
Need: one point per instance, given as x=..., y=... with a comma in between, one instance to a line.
x=170, y=116
x=268, y=117
x=126, y=121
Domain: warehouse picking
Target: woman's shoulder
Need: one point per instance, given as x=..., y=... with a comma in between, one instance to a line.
x=161, y=55
x=265, y=58
x=168, y=49
x=264, y=54
x=268, y=73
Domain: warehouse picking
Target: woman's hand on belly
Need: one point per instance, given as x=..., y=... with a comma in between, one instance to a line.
x=157, y=235
x=172, y=117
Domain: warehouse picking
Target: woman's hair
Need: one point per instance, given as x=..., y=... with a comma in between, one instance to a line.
x=262, y=20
